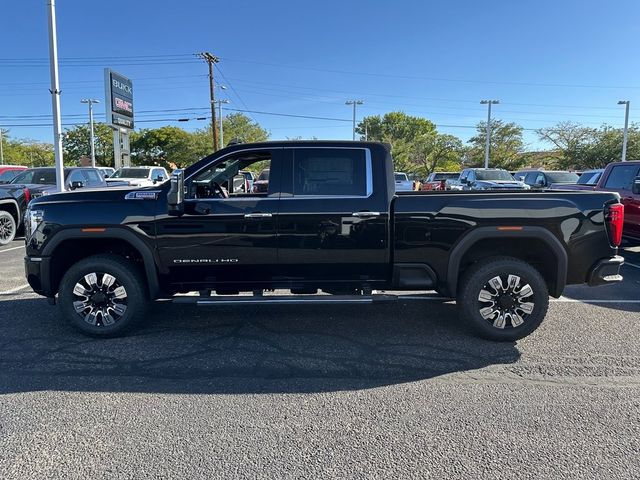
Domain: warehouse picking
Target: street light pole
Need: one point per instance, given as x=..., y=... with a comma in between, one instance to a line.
x=354, y=103
x=91, y=101
x=1, y=152
x=626, y=128
x=55, y=96
x=487, y=146
x=219, y=103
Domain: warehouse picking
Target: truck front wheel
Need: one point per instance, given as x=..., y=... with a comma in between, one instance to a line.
x=103, y=295
x=8, y=227
x=503, y=298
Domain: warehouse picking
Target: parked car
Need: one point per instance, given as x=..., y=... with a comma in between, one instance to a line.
x=624, y=179
x=403, y=184
x=139, y=176
x=33, y=183
x=440, y=180
x=331, y=220
x=545, y=178
x=8, y=172
x=489, y=179
x=587, y=181
x=261, y=184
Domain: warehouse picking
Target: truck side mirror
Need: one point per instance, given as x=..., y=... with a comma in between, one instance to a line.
x=636, y=186
x=77, y=184
x=175, y=197
x=159, y=179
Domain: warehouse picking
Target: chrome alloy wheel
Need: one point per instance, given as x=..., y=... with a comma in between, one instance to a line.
x=506, y=305
x=99, y=299
x=6, y=228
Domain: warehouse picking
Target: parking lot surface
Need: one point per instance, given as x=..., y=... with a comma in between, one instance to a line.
x=389, y=391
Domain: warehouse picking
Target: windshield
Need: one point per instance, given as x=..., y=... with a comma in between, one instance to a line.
x=8, y=175
x=562, y=177
x=131, y=173
x=264, y=175
x=589, y=178
x=401, y=177
x=37, y=177
x=501, y=175
x=445, y=176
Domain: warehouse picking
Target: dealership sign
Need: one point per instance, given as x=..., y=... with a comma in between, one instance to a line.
x=118, y=99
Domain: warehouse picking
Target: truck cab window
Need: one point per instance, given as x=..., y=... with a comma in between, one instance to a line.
x=233, y=177
x=330, y=172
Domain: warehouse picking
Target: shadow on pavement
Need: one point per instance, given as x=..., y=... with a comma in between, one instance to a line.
x=230, y=350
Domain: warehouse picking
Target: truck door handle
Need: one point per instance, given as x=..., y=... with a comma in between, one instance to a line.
x=365, y=214
x=258, y=215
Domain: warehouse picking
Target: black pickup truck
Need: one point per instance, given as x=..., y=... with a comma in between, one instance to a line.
x=329, y=227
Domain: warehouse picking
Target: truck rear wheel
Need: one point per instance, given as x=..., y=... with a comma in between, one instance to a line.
x=8, y=227
x=103, y=296
x=503, y=298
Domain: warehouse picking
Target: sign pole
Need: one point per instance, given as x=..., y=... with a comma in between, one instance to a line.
x=55, y=97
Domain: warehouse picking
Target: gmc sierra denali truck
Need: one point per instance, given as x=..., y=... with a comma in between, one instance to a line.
x=329, y=227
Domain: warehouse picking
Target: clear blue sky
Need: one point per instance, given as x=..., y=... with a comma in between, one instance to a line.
x=546, y=61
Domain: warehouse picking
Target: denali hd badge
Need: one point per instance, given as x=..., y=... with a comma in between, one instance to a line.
x=143, y=195
x=205, y=260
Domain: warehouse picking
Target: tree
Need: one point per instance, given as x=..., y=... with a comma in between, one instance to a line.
x=507, y=146
x=569, y=139
x=26, y=152
x=435, y=152
x=170, y=147
x=605, y=146
x=76, y=143
x=237, y=126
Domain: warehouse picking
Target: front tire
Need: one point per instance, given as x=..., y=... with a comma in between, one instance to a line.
x=503, y=298
x=8, y=227
x=103, y=296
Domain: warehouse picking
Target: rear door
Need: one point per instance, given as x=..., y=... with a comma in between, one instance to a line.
x=334, y=216
x=620, y=179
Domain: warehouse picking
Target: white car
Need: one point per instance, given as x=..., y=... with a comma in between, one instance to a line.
x=139, y=176
x=403, y=184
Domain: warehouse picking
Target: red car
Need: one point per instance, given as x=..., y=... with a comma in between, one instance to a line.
x=624, y=178
x=438, y=180
x=7, y=172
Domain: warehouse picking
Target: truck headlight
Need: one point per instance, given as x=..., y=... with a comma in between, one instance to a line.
x=32, y=219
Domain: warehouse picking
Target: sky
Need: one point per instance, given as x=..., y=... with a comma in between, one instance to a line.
x=545, y=61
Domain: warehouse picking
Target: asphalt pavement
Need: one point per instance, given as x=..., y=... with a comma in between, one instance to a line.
x=387, y=391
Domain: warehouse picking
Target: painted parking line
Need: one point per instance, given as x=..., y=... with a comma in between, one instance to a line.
x=555, y=300
x=9, y=249
x=631, y=264
x=14, y=290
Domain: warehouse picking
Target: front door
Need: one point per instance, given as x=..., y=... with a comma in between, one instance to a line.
x=224, y=239
x=333, y=220
x=620, y=179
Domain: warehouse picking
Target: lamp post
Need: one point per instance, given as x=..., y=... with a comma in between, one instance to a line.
x=91, y=101
x=626, y=128
x=219, y=103
x=487, y=146
x=55, y=96
x=354, y=103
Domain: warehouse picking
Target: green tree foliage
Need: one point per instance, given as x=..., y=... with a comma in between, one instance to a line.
x=76, y=143
x=568, y=139
x=435, y=152
x=170, y=147
x=507, y=146
x=26, y=152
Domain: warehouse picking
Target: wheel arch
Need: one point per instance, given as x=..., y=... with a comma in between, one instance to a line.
x=542, y=242
x=10, y=205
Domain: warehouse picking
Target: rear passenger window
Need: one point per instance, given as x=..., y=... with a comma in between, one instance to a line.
x=93, y=178
x=329, y=172
x=621, y=177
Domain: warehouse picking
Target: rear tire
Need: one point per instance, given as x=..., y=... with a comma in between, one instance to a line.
x=503, y=299
x=8, y=227
x=103, y=296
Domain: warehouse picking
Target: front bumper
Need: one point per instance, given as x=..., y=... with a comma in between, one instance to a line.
x=37, y=270
x=606, y=271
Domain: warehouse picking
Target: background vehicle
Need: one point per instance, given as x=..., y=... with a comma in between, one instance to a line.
x=330, y=219
x=587, y=181
x=545, y=178
x=13, y=203
x=139, y=176
x=438, y=180
x=403, y=184
x=624, y=179
x=42, y=181
x=489, y=179
x=8, y=172
x=106, y=171
x=261, y=184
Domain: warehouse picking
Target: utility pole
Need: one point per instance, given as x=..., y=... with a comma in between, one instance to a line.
x=354, y=103
x=211, y=60
x=91, y=101
x=219, y=103
x=626, y=128
x=55, y=97
x=487, y=146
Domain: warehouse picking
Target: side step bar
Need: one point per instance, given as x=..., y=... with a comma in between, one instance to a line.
x=282, y=299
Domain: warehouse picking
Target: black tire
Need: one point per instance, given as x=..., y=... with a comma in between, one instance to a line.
x=8, y=227
x=92, y=319
x=510, y=313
